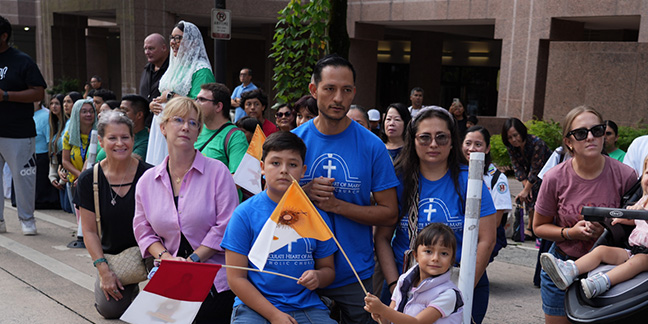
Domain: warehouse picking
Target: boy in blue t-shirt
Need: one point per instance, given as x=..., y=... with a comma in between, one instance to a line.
x=264, y=297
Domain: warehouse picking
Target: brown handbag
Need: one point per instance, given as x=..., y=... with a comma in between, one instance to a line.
x=128, y=265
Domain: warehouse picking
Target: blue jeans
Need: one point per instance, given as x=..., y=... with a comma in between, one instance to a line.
x=553, y=299
x=244, y=315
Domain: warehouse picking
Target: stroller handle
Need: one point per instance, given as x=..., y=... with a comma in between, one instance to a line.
x=598, y=214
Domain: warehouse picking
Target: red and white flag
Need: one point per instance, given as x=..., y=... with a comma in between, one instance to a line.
x=248, y=173
x=174, y=294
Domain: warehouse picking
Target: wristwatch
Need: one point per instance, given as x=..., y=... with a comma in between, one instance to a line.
x=5, y=96
x=170, y=95
x=194, y=257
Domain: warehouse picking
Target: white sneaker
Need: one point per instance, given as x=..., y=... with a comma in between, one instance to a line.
x=595, y=285
x=28, y=228
x=562, y=273
x=3, y=227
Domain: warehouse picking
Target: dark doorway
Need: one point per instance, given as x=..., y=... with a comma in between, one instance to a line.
x=392, y=84
x=475, y=86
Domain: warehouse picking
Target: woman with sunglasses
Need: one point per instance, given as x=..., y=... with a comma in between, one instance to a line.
x=528, y=155
x=589, y=178
x=184, y=205
x=189, y=68
x=285, y=118
x=433, y=182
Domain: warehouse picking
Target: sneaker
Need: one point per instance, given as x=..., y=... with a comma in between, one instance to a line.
x=3, y=226
x=562, y=273
x=595, y=285
x=28, y=228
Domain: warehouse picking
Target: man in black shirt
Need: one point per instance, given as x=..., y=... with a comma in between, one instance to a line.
x=157, y=55
x=21, y=84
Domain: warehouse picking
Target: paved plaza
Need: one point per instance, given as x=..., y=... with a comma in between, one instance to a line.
x=43, y=281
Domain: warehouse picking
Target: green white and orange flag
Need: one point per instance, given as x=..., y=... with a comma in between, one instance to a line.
x=248, y=173
x=294, y=218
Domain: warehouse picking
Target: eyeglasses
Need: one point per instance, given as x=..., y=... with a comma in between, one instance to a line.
x=441, y=139
x=280, y=115
x=179, y=121
x=175, y=38
x=581, y=133
x=203, y=99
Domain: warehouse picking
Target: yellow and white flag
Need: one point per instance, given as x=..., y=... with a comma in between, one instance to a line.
x=248, y=173
x=294, y=218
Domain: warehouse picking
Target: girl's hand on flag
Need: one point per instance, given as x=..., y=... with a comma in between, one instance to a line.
x=309, y=279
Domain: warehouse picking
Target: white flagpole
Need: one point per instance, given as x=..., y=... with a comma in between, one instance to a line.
x=470, y=232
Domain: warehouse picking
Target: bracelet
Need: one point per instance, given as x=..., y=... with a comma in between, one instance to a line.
x=567, y=232
x=392, y=283
x=562, y=234
x=100, y=260
x=160, y=254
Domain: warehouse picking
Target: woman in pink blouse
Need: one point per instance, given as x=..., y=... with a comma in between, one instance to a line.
x=184, y=204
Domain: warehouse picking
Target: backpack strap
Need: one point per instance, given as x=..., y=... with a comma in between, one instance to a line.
x=226, y=143
x=495, y=178
x=459, y=301
x=214, y=135
x=95, y=189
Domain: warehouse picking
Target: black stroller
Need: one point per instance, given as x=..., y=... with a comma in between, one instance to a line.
x=625, y=302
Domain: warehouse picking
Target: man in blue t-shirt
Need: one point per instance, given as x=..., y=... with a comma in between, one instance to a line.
x=21, y=84
x=246, y=85
x=346, y=164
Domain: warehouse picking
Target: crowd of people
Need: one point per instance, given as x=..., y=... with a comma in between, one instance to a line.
x=391, y=185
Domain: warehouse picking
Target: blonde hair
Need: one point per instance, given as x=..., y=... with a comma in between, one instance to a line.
x=182, y=106
x=569, y=120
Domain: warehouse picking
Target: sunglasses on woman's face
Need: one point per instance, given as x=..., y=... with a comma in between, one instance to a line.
x=280, y=114
x=425, y=139
x=581, y=133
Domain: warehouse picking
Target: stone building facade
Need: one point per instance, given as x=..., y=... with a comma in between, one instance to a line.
x=520, y=58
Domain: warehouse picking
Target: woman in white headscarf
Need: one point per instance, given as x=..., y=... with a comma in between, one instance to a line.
x=189, y=68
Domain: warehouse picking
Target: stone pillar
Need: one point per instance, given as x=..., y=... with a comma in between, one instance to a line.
x=133, y=28
x=363, y=54
x=643, y=27
x=520, y=32
x=425, y=66
x=44, y=45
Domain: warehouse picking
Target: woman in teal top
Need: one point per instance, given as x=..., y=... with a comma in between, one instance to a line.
x=189, y=68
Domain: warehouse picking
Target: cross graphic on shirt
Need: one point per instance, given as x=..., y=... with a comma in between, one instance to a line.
x=429, y=212
x=329, y=167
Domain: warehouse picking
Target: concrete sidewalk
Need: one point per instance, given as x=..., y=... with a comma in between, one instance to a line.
x=43, y=281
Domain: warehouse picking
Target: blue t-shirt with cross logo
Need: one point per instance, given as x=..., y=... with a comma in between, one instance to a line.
x=360, y=164
x=439, y=203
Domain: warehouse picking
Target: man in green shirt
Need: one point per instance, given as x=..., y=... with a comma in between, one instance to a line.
x=136, y=108
x=219, y=139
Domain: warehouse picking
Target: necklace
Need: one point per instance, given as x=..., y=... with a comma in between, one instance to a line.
x=113, y=200
x=179, y=179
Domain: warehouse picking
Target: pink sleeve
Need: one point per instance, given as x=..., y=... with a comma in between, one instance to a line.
x=547, y=202
x=226, y=199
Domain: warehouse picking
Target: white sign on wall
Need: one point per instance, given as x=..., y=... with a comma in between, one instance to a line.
x=221, y=23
